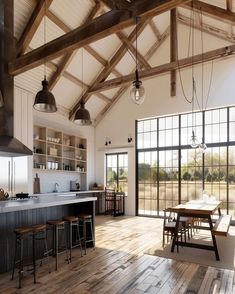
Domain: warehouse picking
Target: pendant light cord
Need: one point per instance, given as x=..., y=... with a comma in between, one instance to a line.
x=82, y=72
x=191, y=41
x=136, y=22
x=45, y=4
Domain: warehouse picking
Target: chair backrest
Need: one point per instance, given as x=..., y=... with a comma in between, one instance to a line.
x=168, y=216
x=109, y=193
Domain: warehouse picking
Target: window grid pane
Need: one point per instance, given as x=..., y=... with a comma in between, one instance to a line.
x=159, y=185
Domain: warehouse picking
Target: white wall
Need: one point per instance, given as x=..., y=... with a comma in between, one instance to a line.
x=120, y=120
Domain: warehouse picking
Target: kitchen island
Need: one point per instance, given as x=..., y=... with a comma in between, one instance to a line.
x=37, y=210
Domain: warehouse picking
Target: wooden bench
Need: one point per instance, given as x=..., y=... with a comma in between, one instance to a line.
x=221, y=226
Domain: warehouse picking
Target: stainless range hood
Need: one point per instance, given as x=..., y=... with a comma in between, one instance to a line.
x=9, y=146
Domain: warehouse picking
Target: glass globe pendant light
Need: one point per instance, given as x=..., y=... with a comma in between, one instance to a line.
x=137, y=91
x=194, y=140
x=44, y=99
x=82, y=115
x=202, y=147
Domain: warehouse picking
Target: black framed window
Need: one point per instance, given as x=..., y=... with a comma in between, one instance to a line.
x=117, y=171
x=169, y=171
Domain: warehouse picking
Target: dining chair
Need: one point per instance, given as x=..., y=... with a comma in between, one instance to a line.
x=109, y=200
x=169, y=224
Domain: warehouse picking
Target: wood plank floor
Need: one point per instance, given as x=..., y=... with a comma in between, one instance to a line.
x=119, y=265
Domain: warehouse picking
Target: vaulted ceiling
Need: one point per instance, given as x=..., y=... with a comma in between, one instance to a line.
x=88, y=46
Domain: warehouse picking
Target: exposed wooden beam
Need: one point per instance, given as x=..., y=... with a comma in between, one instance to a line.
x=158, y=43
x=219, y=33
x=75, y=80
x=161, y=69
x=124, y=39
x=100, y=27
x=32, y=25
x=140, y=57
x=101, y=60
x=113, y=62
x=60, y=69
x=103, y=97
x=212, y=11
x=116, y=4
x=229, y=5
x=121, y=91
x=88, y=48
x=68, y=58
x=57, y=21
x=155, y=29
x=173, y=48
x=116, y=97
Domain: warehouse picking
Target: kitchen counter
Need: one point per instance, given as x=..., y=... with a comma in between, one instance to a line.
x=47, y=200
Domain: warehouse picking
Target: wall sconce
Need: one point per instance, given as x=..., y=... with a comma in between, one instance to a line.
x=107, y=142
x=129, y=140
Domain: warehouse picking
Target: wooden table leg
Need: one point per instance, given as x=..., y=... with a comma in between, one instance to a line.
x=213, y=239
x=175, y=233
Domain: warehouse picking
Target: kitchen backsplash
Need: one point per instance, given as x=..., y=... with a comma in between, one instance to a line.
x=48, y=180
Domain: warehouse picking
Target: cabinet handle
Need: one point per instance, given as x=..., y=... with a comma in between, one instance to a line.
x=9, y=176
x=14, y=182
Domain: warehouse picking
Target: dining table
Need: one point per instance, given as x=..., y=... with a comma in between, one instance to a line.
x=197, y=209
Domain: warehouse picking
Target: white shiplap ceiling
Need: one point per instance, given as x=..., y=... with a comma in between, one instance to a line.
x=70, y=14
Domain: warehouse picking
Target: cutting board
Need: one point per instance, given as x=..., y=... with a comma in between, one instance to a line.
x=36, y=185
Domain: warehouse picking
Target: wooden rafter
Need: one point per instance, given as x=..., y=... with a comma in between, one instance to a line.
x=229, y=5
x=219, y=33
x=80, y=83
x=113, y=62
x=173, y=48
x=116, y=97
x=161, y=69
x=124, y=39
x=100, y=27
x=140, y=57
x=216, y=12
x=158, y=43
x=123, y=89
x=155, y=29
x=68, y=58
x=88, y=48
x=101, y=60
x=117, y=4
x=32, y=25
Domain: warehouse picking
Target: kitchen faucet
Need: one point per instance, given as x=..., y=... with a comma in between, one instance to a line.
x=56, y=185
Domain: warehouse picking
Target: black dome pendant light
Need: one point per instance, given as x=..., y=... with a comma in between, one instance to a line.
x=82, y=115
x=44, y=99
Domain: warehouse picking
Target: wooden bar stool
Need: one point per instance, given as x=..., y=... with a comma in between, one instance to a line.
x=86, y=219
x=21, y=234
x=58, y=226
x=40, y=234
x=36, y=232
x=73, y=222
